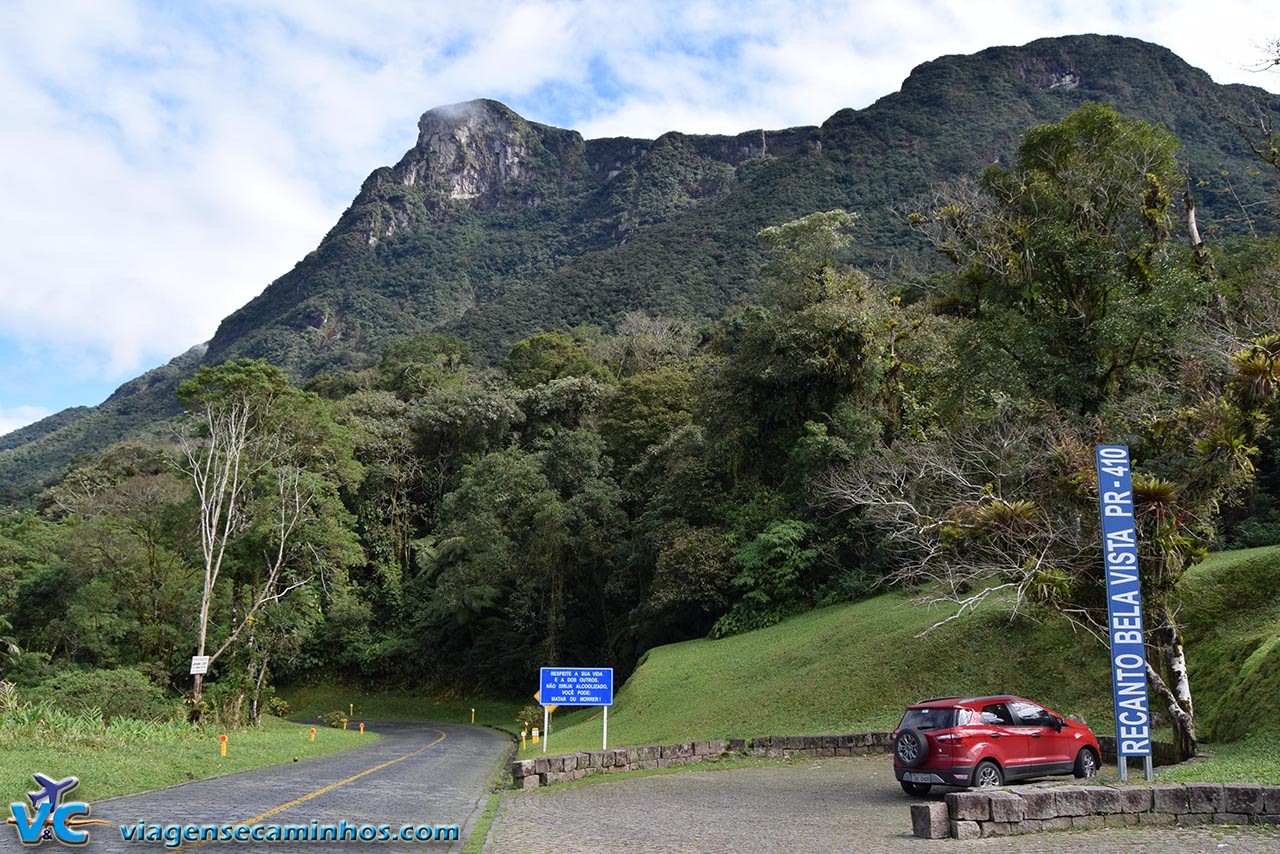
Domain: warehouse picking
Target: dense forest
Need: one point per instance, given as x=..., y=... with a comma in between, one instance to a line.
x=433, y=519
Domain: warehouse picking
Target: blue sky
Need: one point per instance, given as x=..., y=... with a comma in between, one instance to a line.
x=161, y=163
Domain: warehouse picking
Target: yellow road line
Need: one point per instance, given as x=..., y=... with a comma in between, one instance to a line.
x=318, y=792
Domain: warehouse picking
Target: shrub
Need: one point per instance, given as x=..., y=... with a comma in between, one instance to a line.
x=121, y=693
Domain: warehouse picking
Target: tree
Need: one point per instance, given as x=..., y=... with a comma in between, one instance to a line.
x=1064, y=258
x=642, y=343
x=134, y=538
x=414, y=367
x=547, y=356
x=771, y=575
x=265, y=462
x=648, y=407
x=526, y=539
x=1010, y=507
x=823, y=345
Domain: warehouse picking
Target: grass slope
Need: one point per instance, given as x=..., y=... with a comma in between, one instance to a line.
x=854, y=667
x=840, y=669
x=1231, y=614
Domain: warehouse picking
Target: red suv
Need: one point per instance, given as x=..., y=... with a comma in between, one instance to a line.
x=987, y=741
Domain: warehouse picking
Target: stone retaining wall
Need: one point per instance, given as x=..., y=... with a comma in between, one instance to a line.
x=1162, y=752
x=531, y=773
x=1026, y=809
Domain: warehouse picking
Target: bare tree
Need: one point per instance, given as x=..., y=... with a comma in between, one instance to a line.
x=252, y=460
x=641, y=342
x=965, y=518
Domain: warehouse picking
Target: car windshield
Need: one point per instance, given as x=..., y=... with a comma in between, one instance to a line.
x=932, y=718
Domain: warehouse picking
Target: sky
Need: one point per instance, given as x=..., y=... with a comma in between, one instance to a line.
x=161, y=163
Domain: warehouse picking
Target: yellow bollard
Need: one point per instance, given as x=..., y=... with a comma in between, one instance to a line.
x=535, y=735
x=344, y=723
x=222, y=739
x=362, y=727
x=351, y=709
x=473, y=715
x=313, y=733
x=523, y=733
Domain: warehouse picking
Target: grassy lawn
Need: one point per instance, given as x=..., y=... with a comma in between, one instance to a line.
x=311, y=702
x=114, y=761
x=1250, y=760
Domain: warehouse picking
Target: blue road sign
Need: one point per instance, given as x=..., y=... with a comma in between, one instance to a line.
x=1124, y=602
x=577, y=686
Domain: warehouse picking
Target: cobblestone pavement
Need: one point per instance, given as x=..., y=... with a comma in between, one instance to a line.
x=809, y=807
x=432, y=774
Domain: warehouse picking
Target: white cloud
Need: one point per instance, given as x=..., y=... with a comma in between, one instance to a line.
x=20, y=416
x=161, y=163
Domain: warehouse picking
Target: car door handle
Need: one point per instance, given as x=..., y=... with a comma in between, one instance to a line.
x=1036, y=734
x=996, y=734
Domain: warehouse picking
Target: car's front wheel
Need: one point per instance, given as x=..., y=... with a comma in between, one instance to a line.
x=916, y=790
x=987, y=775
x=1086, y=763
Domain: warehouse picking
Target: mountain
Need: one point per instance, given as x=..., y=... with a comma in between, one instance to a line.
x=493, y=227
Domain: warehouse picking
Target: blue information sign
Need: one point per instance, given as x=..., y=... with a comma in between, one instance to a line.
x=1124, y=602
x=577, y=686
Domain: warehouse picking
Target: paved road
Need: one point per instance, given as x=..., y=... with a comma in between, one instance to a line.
x=432, y=774
x=831, y=805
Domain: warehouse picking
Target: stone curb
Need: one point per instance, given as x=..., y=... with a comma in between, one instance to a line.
x=543, y=771
x=981, y=814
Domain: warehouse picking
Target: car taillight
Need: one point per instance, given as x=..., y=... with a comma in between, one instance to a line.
x=951, y=737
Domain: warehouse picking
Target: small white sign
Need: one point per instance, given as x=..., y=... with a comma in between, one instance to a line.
x=199, y=664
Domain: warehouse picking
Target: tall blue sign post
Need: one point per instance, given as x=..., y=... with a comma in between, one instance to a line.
x=1124, y=608
x=575, y=686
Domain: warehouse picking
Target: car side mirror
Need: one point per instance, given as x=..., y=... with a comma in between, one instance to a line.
x=1058, y=723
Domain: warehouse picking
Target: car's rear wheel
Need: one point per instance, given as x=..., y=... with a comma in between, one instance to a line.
x=911, y=748
x=1086, y=763
x=916, y=790
x=987, y=775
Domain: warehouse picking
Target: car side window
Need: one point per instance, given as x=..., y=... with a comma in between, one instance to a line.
x=1030, y=714
x=997, y=714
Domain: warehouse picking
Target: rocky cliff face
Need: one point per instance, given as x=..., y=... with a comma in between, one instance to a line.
x=478, y=152
x=467, y=150
x=483, y=155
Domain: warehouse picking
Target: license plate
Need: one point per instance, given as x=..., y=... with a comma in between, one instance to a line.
x=917, y=778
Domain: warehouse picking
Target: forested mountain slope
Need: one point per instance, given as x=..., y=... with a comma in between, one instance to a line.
x=493, y=227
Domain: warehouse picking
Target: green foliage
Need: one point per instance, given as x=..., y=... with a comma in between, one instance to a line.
x=414, y=367
x=647, y=408
x=694, y=569
x=1063, y=258
x=548, y=356
x=771, y=577
x=107, y=694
